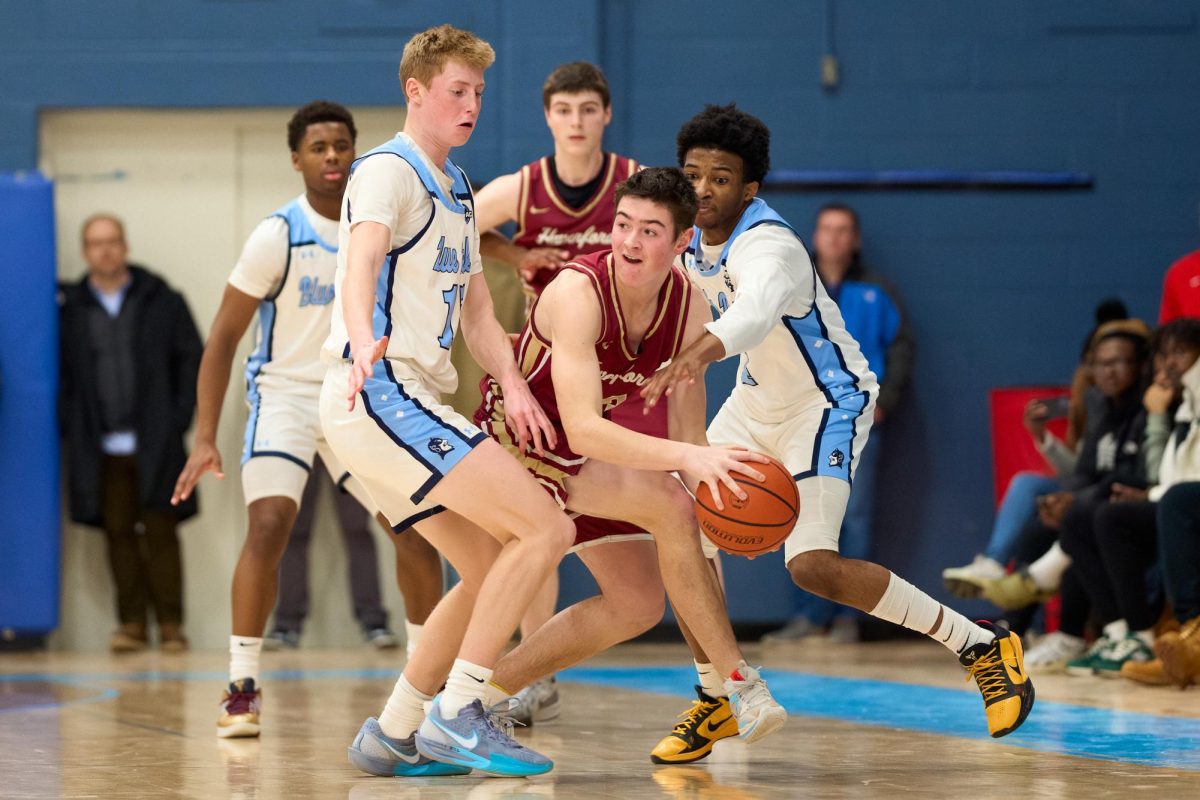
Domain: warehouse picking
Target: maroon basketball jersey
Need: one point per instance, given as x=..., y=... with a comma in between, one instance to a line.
x=545, y=220
x=622, y=373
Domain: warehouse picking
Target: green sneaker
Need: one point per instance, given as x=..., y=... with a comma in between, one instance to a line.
x=1108, y=663
x=1085, y=665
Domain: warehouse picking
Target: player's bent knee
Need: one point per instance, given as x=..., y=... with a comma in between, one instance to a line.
x=817, y=571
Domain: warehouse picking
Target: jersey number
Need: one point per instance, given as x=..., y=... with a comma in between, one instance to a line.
x=453, y=298
x=722, y=302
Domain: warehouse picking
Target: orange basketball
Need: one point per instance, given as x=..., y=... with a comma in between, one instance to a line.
x=758, y=524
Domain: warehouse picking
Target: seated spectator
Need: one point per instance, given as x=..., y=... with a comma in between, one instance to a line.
x=129, y=354
x=1018, y=507
x=1170, y=527
x=1109, y=453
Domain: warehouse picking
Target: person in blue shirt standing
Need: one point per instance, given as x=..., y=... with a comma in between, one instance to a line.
x=875, y=318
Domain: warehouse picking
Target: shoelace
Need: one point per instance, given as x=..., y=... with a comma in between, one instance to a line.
x=988, y=672
x=1124, y=649
x=691, y=717
x=499, y=721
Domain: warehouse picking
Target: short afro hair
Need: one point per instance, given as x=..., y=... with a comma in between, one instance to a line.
x=311, y=114
x=666, y=186
x=1182, y=332
x=730, y=129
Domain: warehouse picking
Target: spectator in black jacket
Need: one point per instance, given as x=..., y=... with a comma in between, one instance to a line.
x=129, y=356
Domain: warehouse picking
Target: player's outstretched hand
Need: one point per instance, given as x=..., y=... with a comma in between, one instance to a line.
x=685, y=368
x=527, y=419
x=712, y=466
x=204, y=458
x=364, y=364
x=541, y=258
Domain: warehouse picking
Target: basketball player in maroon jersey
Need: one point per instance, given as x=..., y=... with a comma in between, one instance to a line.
x=563, y=207
x=602, y=328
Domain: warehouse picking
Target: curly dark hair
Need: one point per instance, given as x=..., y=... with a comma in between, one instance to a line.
x=575, y=78
x=666, y=186
x=730, y=129
x=1184, y=332
x=314, y=112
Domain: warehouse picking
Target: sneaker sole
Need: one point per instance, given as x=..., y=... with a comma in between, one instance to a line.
x=1026, y=707
x=1080, y=672
x=238, y=730
x=500, y=767
x=548, y=713
x=400, y=769
x=771, y=720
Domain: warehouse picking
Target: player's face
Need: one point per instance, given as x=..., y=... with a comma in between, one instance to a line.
x=104, y=248
x=577, y=122
x=644, y=241
x=1114, y=366
x=836, y=237
x=718, y=178
x=450, y=105
x=323, y=157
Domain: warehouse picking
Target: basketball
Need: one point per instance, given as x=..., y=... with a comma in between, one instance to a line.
x=758, y=524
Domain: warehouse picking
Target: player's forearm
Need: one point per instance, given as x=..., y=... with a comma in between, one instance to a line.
x=705, y=350
x=497, y=246
x=211, y=384
x=358, y=299
x=604, y=440
x=491, y=347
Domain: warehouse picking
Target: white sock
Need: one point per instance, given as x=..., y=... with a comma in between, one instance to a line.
x=243, y=657
x=1048, y=570
x=404, y=710
x=467, y=682
x=710, y=681
x=1117, y=630
x=412, y=633
x=906, y=605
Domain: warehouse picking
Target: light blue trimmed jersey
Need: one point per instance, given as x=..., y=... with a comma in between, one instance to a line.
x=423, y=278
x=806, y=359
x=291, y=267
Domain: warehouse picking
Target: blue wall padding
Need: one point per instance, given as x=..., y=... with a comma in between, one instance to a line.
x=29, y=478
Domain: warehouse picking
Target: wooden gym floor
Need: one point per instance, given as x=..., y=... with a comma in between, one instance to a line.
x=871, y=720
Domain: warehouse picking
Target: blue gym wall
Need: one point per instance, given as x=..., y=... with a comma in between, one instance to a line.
x=999, y=285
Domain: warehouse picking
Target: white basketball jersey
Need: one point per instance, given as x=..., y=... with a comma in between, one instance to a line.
x=795, y=351
x=289, y=262
x=434, y=251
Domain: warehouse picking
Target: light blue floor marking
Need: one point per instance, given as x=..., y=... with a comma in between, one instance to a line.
x=1107, y=734
x=1073, y=730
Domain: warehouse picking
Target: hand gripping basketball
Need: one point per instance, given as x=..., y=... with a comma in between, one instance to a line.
x=760, y=523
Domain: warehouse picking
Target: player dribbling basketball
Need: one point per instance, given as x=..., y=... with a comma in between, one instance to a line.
x=601, y=329
x=804, y=394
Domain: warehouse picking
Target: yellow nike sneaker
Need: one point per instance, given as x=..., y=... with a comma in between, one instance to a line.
x=999, y=671
x=703, y=725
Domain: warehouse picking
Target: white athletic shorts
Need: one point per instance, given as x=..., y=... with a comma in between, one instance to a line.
x=282, y=435
x=399, y=440
x=820, y=447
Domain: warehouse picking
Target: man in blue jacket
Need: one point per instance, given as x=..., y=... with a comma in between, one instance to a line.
x=875, y=318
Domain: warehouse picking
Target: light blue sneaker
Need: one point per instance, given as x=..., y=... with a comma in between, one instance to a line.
x=376, y=753
x=471, y=739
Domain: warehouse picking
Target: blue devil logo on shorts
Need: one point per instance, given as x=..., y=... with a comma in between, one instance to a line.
x=440, y=446
x=836, y=458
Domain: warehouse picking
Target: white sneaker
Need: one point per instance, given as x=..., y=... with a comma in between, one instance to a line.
x=757, y=713
x=537, y=702
x=967, y=582
x=1053, y=651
